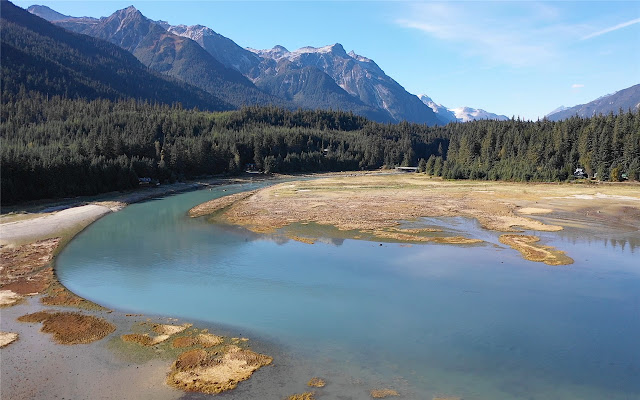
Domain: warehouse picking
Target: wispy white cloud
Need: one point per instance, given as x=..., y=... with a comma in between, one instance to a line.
x=525, y=38
x=577, y=86
x=612, y=28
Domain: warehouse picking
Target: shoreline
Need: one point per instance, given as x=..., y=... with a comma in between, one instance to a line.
x=379, y=207
x=47, y=227
x=25, y=355
x=29, y=242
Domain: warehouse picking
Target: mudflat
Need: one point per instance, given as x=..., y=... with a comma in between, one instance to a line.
x=82, y=341
x=376, y=205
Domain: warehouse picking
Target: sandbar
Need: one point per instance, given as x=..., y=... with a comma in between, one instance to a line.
x=375, y=206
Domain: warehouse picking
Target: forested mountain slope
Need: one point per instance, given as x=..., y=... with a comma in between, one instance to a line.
x=39, y=56
x=170, y=54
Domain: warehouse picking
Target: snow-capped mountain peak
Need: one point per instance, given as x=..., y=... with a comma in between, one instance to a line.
x=465, y=114
x=460, y=114
x=193, y=32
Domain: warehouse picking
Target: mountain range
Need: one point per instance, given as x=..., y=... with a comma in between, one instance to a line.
x=324, y=77
x=626, y=99
x=310, y=77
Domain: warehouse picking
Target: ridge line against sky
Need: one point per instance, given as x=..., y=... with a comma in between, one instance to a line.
x=517, y=58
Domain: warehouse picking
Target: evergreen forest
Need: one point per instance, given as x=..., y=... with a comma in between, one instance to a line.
x=54, y=146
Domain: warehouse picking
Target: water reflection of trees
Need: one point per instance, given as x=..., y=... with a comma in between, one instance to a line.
x=621, y=243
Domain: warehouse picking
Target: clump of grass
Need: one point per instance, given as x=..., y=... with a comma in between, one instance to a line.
x=71, y=327
x=316, y=382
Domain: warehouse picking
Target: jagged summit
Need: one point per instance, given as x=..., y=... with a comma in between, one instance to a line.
x=309, y=77
x=194, y=32
x=360, y=58
x=335, y=49
x=130, y=11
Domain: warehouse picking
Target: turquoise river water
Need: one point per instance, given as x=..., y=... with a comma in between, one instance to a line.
x=475, y=322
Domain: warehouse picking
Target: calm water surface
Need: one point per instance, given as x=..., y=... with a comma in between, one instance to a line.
x=476, y=322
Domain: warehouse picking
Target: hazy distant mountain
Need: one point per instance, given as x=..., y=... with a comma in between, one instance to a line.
x=626, y=99
x=460, y=114
x=166, y=52
x=357, y=75
x=466, y=114
x=441, y=111
x=45, y=58
x=557, y=110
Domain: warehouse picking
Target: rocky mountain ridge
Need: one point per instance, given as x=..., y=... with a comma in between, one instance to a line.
x=625, y=99
x=309, y=77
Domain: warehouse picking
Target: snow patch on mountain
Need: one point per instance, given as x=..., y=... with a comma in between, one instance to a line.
x=441, y=111
x=561, y=108
x=460, y=114
x=465, y=114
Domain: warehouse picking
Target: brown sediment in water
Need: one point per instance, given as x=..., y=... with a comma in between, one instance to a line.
x=71, y=327
x=530, y=250
x=373, y=203
x=184, y=341
x=144, y=339
x=214, y=372
x=58, y=295
x=218, y=204
x=414, y=230
x=382, y=393
x=31, y=285
x=302, y=239
x=6, y=338
x=205, y=340
x=316, y=382
x=163, y=331
x=25, y=269
x=404, y=237
x=302, y=396
x=374, y=207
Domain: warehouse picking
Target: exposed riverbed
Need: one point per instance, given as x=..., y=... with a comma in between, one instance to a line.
x=475, y=321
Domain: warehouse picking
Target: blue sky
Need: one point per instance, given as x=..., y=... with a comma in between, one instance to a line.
x=521, y=58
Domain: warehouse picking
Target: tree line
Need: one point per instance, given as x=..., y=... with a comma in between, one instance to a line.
x=53, y=146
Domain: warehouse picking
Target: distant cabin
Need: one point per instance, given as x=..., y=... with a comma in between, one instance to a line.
x=407, y=169
x=580, y=174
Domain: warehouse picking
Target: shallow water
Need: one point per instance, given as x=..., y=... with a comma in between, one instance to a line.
x=477, y=322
